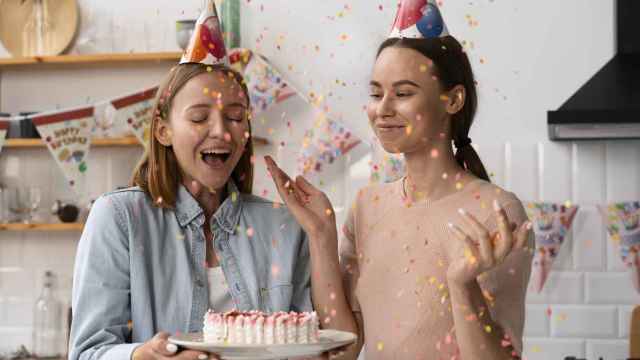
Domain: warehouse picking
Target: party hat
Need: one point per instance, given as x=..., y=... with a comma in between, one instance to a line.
x=418, y=19
x=206, y=45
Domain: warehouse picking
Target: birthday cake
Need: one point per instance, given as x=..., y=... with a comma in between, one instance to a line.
x=258, y=328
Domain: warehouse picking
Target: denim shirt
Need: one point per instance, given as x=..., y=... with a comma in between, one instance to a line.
x=141, y=269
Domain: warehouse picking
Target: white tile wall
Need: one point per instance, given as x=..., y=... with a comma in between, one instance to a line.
x=608, y=349
x=553, y=349
x=584, y=321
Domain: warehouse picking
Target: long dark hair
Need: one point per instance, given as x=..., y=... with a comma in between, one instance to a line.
x=452, y=68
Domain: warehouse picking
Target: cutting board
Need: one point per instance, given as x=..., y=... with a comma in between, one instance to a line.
x=13, y=16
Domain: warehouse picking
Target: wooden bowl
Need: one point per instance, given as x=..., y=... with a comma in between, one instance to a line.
x=14, y=15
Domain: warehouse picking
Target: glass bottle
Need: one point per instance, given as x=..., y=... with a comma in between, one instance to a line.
x=231, y=23
x=47, y=327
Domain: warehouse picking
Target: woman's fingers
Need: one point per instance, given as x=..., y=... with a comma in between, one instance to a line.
x=306, y=186
x=505, y=240
x=482, y=236
x=162, y=346
x=285, y=186
x=194, y=355
x=522, y=235
x=470, y=249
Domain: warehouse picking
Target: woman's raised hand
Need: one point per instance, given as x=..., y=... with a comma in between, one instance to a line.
x=481, y=250
x=160, y=348
x=310, y=206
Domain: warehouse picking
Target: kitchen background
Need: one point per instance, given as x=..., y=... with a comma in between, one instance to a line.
x=529, y=57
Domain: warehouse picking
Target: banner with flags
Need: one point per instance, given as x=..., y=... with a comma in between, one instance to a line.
x=136, y=110
x=67, y=134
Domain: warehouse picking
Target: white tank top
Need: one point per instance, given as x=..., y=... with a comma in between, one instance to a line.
x=219, y=295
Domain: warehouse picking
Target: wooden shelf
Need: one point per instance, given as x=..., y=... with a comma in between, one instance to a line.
x=115, y=142
x=34, y=143
x=42, y=227
x=92, y=59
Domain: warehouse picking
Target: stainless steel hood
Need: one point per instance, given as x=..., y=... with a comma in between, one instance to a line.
x=608, y=105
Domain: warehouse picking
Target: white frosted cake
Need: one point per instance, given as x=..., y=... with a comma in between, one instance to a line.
x=255, y=327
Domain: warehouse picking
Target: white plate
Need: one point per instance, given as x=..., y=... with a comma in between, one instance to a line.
x=328, y=339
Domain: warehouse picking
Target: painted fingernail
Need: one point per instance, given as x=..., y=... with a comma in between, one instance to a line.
x=462, y=212
x=529, y=225
x=203, y=357
x=496, y=205
x=450, y=225
x=172, y=348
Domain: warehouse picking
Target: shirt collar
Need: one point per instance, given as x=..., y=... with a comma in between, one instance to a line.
x=227, y=214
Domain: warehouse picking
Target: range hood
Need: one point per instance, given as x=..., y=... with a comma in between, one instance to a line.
x=608, y=105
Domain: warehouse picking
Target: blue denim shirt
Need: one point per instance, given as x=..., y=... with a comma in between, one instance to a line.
x=140, y=263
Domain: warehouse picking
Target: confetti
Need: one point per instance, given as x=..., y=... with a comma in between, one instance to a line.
x=275, y=270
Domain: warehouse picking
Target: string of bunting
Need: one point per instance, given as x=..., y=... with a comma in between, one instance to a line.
x=67, y=132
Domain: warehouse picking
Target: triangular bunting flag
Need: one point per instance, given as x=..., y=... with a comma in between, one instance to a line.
x=623, y=225
x=67, y=134
x=323, y=144
x=551, y=223
x=136, y=110
x=266, y=85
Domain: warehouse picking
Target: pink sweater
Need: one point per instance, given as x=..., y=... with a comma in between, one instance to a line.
x=394, y=258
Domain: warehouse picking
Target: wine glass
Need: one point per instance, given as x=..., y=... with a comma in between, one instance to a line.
x=24, y=201
x=34, y=198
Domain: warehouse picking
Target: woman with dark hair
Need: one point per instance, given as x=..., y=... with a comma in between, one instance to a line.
x=435, y=265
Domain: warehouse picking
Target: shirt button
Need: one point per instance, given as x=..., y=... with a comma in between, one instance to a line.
x=199, y=283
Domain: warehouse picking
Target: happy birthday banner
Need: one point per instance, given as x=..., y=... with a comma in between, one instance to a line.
x=67, y=134
x=136, y=110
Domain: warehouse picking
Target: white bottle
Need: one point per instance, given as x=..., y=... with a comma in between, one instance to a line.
x=47, y=322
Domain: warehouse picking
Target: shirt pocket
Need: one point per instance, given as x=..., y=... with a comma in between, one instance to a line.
x=277, y=298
